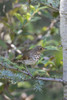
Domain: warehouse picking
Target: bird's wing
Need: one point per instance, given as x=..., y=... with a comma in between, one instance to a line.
x=26, y=55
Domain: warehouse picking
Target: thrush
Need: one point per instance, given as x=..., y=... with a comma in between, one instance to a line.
x=30, y=57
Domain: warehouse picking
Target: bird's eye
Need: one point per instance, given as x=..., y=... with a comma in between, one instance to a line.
x=40, y=48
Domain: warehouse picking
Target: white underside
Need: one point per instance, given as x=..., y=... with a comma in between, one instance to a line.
x=29, y=62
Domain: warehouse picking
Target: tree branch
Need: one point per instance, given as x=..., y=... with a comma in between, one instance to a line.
x=50, y=79
x=37, y=77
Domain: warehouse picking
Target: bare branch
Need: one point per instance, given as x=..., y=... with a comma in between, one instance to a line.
x=50, y=79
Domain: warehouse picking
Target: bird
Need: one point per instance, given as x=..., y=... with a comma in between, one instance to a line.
x=30, y=57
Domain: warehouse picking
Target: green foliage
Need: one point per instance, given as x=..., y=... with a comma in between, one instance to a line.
x=30, y=25
x=54, y=3
x=12, y=77
x=3, y=44
x=7, y=63
x=38, y=85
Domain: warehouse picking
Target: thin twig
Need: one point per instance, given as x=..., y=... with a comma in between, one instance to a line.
x=14, y=68
x=52, y=23
x=28, y=71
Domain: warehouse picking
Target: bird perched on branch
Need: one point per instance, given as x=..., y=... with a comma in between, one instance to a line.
x=30, y=57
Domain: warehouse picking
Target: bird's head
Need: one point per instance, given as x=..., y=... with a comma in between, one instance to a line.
x=39, y=49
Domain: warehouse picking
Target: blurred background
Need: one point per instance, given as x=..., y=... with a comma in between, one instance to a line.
x=27, y=24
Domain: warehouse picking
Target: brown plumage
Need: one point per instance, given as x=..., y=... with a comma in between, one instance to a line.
x=30, y=57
